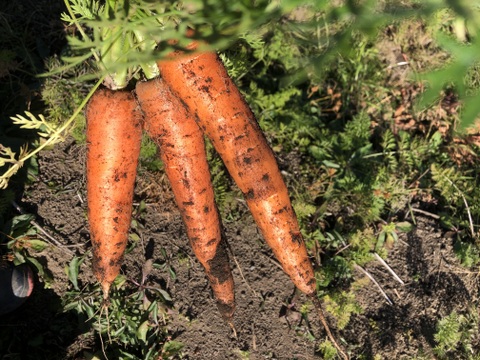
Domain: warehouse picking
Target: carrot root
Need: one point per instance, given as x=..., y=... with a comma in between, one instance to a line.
x=323, y=320
x=182, y=150
x=113, y=145
x=201, y=81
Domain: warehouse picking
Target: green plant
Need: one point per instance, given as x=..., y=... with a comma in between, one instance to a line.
x=327, y=350
x=23, y=244
x=467, y=252
x=59, y=108
x=457, y=335
x=388, y=235
x=458, y=189
x=342, y=306
x=149, y=157
x=133, y=325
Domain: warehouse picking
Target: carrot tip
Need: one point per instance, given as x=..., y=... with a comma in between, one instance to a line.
x=226, y=310
x=234, y=331
x=106, y=291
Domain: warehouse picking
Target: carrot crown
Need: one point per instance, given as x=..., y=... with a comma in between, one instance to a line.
x=122, y=35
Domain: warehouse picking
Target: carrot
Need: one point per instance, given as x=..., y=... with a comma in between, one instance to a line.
x=182, y=150
x=113, y=145
x=201, y=81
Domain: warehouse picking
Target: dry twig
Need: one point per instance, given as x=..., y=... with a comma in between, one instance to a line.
x=390, y=270
x=375, y=282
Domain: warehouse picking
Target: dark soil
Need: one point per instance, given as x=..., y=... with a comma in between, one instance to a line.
x=267, y=320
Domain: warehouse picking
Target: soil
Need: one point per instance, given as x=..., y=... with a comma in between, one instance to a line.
x=268, y=322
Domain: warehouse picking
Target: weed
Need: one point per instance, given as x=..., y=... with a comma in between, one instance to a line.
x=388, y=235
x=149, y=155
x=60, y=107
x=23, y=245
x=133, y=323
x=468, y=253
x=327, y=350
x=362, y=244
x=243, y=355
x=458, y=334
x=342, y=306
x=165, y=265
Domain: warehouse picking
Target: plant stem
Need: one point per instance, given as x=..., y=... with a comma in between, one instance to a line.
x=54, y=137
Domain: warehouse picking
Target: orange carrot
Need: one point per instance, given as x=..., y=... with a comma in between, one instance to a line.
x=201, y=81
x=182, y=150
x=113, y=145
